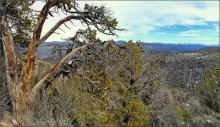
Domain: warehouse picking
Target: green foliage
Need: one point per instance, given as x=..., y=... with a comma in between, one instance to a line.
x=108, y=22
x=92, y=35
x=90, y=111
x=134, y=61
x=111, y=100
x=113, y=23
x=114, y=101
x=22, y=20
x=107, y=81
x=210, y=89
x=68, y=3
x=138, y=113
x=183, y=114
x=129, y=109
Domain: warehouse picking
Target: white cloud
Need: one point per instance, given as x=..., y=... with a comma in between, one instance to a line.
x=189, y=33
x=147, y=16
x=207, y=38
x=200, y=33
x=141, y=17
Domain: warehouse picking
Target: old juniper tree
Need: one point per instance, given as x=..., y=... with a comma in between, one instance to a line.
x=20, y=24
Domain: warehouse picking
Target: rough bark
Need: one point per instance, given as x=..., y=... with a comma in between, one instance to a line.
x=20, y=102
x=1, y=45
x=20, y=88
x=29, y=58
x=10, y=58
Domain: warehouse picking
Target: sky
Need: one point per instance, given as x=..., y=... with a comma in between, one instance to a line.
x=188, y=22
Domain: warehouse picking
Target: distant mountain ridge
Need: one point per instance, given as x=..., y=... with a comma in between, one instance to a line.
x=45, y=49
x=183, y=64
x=169, y=47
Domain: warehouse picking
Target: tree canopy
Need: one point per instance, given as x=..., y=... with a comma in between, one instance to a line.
x=21, y=24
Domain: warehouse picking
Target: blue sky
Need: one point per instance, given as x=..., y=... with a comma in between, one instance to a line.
x=158, y=21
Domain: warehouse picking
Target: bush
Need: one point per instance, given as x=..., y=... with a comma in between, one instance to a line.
x=210, y=89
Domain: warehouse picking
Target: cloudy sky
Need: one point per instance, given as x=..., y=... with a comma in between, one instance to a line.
x=157, y=21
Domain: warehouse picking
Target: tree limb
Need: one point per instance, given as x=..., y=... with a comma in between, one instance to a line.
x=43, y=16
x=59, y=23
x=57, y=67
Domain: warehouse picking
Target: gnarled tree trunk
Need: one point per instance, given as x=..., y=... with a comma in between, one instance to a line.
x=10, y=60
x=20, y=98
x=20, y=90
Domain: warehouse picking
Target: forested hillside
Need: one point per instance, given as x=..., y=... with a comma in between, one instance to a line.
x=86, y=81
x=130, y=87
x=186, y=69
